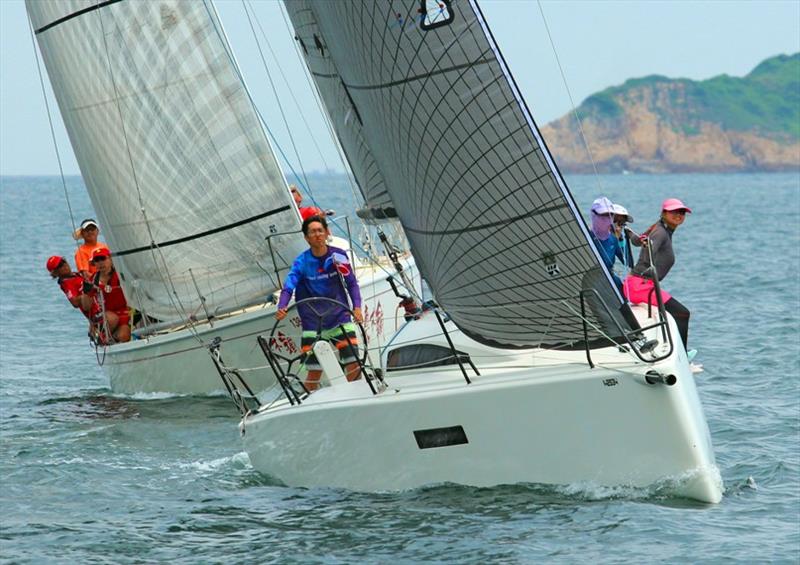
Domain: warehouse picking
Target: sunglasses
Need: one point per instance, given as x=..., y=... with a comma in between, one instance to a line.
x=679, y=212
x=98, y=259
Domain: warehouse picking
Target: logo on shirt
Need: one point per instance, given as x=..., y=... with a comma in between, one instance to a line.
x=340, y=261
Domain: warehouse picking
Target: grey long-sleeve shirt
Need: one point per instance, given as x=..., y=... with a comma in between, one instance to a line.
x=660, y=245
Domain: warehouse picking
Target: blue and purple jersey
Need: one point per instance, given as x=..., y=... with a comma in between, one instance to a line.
x=330, y=276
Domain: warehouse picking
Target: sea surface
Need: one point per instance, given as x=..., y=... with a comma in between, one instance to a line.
x=90, y=477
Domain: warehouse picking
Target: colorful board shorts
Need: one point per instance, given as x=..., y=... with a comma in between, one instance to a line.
x=639, y=290
x=346, y=343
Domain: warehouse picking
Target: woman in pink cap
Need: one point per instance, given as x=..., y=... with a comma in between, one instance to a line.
x=656, y=259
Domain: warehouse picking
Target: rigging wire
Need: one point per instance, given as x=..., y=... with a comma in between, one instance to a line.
x=275, y=91
x=52, y=129
x=288, y=86
x=598, y=329
x=270, y=137
x=369, y=252
x=569, y=94
x=320, y=106
x=273, y=139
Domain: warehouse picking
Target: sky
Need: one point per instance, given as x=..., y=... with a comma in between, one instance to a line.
x=599, y=43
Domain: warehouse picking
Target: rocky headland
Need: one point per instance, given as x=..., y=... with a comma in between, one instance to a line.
x=660, y=125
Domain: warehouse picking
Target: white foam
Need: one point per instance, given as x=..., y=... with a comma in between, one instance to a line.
x=149, y=395
x=666, y=487
x=239, y=459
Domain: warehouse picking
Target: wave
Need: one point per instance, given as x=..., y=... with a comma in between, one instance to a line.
x=667, y=491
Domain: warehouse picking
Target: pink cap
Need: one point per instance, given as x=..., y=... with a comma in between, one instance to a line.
x=672, y=204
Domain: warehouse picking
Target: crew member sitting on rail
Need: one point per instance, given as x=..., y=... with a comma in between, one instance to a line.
x=324, y=271
x=307, y=211
x=655, y=261
x=88, y=230
x=71, y=283
x=107, y=302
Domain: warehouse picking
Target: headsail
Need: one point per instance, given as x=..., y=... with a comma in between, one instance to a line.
x=491, y=223
x=178, y=168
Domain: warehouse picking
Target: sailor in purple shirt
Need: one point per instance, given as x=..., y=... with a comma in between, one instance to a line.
x=324, y=271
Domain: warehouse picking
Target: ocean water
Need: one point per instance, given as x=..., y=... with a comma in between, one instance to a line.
x=89, y=477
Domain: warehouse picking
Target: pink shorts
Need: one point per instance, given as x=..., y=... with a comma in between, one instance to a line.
x=640, y=291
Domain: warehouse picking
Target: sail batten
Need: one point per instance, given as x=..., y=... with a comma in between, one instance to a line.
x=202, y=234
x=403, y=81
x=490, y=221
x=178, y=167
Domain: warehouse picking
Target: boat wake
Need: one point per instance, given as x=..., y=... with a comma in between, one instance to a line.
x=159, y=406
x=742, y=486
x=148, y=396
x=233, y=462
x=235, y=470
x=91, y=406
x=669, y=491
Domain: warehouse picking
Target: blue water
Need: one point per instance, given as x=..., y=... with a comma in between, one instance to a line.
x=89, y=477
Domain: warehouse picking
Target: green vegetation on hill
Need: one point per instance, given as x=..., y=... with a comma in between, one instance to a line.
x=766, y=101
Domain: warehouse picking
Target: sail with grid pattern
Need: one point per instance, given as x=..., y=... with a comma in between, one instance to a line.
x=183, y=179
x=443, y=129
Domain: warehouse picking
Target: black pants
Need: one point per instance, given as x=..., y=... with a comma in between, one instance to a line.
x=681, y=315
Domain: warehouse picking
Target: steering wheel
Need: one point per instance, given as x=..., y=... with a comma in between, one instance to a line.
x=281, y=344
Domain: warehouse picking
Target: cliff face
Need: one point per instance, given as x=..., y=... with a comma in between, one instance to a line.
x=660, y=125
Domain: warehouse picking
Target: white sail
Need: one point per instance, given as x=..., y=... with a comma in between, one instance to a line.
x=178, y=168
x=493, y=228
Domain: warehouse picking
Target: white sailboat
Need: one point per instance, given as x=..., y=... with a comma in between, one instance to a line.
x=184, y=182
x=532, y=368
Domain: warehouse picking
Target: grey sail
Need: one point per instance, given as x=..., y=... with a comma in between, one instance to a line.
x=177, y=165
x=342, y=113
x=491, y=223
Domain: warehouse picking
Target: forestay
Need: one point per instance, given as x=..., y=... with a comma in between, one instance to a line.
x=493, y=228
x=177, y=165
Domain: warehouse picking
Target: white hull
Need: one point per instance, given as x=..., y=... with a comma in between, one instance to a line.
x=542, y=417
x=179, y=362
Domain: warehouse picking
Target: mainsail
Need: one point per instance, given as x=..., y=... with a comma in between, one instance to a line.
x=177, y=165
x=439, y=123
